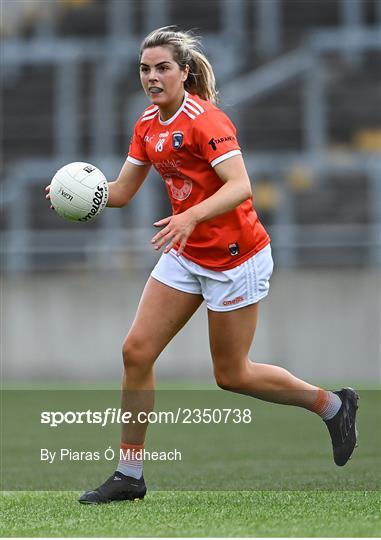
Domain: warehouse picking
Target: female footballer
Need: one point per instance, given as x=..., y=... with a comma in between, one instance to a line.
x=215, y=250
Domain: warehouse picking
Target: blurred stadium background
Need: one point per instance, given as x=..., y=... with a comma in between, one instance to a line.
x=301, y=80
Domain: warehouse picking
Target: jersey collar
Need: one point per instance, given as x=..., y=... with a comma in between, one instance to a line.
x=179, y=110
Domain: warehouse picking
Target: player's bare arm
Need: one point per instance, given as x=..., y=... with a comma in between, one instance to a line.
x=235, y=190
x=123, y=189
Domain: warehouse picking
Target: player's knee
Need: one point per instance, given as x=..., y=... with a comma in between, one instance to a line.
x=136, y=354
x=228, y=380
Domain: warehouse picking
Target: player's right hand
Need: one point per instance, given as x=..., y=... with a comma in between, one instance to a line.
x=47, y=194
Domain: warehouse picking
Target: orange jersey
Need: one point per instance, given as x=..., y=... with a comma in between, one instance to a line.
x=184, y=150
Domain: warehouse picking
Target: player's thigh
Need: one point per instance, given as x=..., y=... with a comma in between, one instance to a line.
x=161, y=313
x=230, y=335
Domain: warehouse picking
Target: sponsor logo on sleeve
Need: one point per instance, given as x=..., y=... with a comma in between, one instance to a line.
x=213, y=142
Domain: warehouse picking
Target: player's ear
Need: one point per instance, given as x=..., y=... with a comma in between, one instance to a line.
x=185, y=73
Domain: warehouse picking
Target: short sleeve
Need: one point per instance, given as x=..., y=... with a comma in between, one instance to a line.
x=137, y=152
x=216, y=137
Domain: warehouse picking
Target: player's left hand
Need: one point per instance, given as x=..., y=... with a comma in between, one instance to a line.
x=177, y=230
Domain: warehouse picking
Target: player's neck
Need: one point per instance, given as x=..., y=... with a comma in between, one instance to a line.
x=167, y=112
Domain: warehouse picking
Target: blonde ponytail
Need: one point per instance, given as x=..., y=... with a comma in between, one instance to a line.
x=186, y=51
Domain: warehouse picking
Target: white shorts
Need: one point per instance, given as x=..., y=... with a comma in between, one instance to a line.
x=222, y=290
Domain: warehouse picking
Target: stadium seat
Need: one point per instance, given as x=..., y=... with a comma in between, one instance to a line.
x=368, y=140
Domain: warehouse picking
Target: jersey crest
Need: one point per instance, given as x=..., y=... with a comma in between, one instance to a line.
x=177, y=139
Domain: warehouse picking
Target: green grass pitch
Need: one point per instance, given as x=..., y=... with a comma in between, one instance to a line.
x=282, y=483
x=263, y=513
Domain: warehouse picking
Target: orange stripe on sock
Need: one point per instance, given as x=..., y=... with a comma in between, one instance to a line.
x=132, y=449
x=128, y=446
x=321, y=401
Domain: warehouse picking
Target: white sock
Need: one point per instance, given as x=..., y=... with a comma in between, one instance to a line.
x=131, y=460
x=327, y=404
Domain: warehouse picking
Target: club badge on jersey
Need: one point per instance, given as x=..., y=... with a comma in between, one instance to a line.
x=177, y=139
